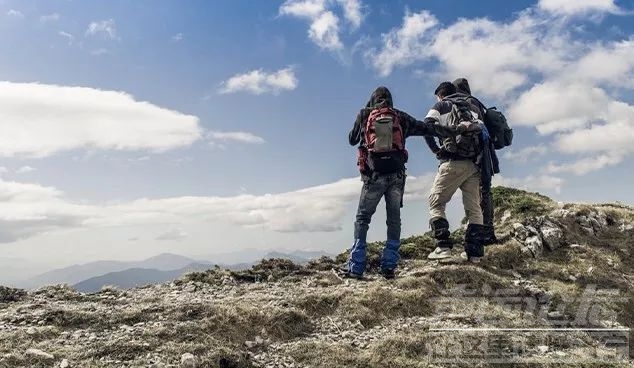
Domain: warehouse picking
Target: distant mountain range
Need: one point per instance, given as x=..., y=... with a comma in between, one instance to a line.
x=135, y=277
x=74, y=274
x=91, y=277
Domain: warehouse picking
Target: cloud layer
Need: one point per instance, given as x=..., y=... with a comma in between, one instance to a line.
x=324, y=29
x=30, y=210
x=38, y=120
x=258, y=82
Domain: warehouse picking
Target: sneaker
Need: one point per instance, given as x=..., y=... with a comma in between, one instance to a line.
x=463, y=255
x=352, y=275
x=440, y=253
x=387, y=273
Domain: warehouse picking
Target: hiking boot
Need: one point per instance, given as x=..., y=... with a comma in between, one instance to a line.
x=440, y=253
x=490, y=240
x=387, y=273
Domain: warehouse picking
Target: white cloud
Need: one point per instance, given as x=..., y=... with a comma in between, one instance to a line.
x=105, y=28
x=39, y=120
x=259, y=82
x=525, y=154
x=30, y=210
x=324, y=28
x=25, y=170
x=324, y=31
x=234, y=137
x=532, y=182
x=173, y=235
x=177, y=37
x=67, y=36
x=353, y=11
x=3, y=170
x=404, y=45
x=49, y=18
x=553, y=106
x=15, y=13
x=572, y=7
x=586, y=165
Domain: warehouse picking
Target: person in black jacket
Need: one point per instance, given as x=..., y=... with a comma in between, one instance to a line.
x=376, y=185
x=489, y=166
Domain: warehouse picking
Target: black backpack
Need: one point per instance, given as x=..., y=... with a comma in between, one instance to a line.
x=499, y=131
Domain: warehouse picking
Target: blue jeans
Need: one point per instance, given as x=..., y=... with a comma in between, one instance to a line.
x=390, y=186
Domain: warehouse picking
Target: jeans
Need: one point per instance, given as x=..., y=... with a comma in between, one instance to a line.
x=390, y=186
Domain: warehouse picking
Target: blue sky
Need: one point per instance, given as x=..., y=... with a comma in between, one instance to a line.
x=132, y=128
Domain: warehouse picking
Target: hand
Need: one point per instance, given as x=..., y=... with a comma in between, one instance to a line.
x=468, y=127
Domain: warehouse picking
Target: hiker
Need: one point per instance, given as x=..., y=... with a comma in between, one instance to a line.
x=381, y=130
x=489, y=165
x=459, y=158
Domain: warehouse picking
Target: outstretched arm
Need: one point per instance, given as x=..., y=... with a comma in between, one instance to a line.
x=431, y=143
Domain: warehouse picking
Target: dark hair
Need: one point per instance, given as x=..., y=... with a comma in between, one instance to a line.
x=462, y=86
x=445, y=89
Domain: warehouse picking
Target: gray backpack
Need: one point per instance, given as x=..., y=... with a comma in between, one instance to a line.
x=468, y=144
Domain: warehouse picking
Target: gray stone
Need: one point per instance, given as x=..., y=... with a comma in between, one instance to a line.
x=64, y=364
x=534, y=245
x=553, y=236
x=188, y=360
x=40, y=354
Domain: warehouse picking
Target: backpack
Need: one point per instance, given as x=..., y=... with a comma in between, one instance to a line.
x=499, y=131
x=384, y=150
x=468, y=144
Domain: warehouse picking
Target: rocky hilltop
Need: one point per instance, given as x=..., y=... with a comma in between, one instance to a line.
x=557, y=290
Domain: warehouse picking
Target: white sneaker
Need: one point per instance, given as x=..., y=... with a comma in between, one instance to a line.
x=463, y=255
x=440, y=253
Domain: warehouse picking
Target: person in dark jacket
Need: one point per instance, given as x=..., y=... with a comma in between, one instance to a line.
x=489, y=166
x=390, y=185
x=458, y=169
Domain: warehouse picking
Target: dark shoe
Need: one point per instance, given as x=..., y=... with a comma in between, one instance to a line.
x=346, y=274
x=387, y=273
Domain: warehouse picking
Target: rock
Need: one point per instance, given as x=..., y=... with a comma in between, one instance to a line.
x=519, y=231
x=64, y=364
x=552, y=236
x=534, y=245
x=31, y=331
x=543, y=349
x=190, y=288
x=39, y=354
x=188, y=360
x=625, y=227
x=505, y=216
x=555, y=314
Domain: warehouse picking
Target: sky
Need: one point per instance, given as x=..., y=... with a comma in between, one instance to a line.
x=128, y=129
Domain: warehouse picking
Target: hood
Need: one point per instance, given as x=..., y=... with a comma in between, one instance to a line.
x=381, y=97
x=462, y=85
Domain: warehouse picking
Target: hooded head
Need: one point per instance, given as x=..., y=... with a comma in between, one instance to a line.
x=381, y=97
x=462, y=85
